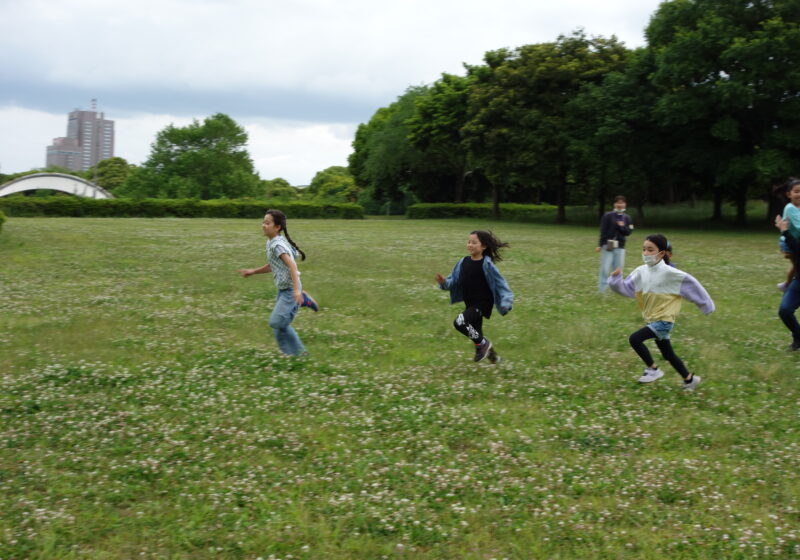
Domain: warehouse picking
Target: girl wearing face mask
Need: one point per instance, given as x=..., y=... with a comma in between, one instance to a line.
x=659, y=289
x=615, y=227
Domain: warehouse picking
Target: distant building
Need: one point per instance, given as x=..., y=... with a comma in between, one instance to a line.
x=90, y=139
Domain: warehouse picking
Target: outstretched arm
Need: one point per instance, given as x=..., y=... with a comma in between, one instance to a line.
x=624, y=287
x=245, y=272
x=693, y=291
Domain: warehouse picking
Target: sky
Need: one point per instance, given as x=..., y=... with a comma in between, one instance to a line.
x=298, y=75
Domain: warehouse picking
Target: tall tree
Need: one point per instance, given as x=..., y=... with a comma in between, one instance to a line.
x=203, y=160
x=729, y=72
x=435, y=128
x=384, y=163
x=518, y=131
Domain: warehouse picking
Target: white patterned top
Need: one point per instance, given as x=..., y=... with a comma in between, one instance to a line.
x=276, y=247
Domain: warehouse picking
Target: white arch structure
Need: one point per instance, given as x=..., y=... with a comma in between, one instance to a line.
x=55, y=182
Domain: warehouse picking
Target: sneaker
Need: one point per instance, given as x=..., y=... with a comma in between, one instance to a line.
x=482, y=349
x=794, y=346
x=692, y=385
x=493, y=357
x=782, y=286
x=309, y=302
x=650, y=375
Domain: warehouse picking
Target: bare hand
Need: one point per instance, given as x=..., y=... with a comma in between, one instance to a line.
x=781, y=224
x=298, y=298
x=616, y=272
x=597, y=249
x=439, y=278
x=245, y=272
x=620, y=223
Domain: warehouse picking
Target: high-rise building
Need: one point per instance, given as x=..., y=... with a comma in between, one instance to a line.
x=90, y=139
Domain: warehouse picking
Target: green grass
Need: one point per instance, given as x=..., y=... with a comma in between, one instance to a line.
x=145, y=413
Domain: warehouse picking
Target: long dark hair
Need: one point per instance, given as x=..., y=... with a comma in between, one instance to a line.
x=783, y=189
x=492, y=244
x=279, y=219
x=662, y=243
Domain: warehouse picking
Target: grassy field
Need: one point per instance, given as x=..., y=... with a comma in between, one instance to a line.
x=145, y=412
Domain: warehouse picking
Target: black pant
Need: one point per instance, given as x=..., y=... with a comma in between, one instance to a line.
x=470, y=324
x=665, y=346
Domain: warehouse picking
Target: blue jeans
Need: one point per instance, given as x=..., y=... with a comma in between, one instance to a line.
x=789, y=304
x=281, y=322
x=609, y=260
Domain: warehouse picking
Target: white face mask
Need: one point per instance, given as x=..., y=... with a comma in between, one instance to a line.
x=619, y=210
x=650, y=260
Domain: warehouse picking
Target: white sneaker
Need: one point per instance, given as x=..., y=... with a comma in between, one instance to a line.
x=692, y=385
x=782, y=286
x=650, y=375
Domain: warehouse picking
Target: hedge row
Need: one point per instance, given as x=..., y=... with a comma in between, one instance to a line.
x=2, y=219
x=510, y=211
x=177, y=208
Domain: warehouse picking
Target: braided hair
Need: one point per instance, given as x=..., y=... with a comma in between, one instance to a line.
x=492, y=244
x=279, y=219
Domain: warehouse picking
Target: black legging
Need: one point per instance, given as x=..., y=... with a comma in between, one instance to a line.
x=665, y=346
x=470, y=324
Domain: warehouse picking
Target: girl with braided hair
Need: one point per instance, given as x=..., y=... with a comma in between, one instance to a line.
x=281, y=253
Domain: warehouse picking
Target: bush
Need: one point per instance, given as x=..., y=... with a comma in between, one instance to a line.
x=176, y=208
x=2, y=219
x=509, y=212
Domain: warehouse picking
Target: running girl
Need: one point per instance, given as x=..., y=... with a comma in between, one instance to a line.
x=281, y=252
x=791, y=213
x=659, y=288
x=476, y=281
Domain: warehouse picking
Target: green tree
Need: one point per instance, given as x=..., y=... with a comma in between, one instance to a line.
x=435, y=128
x=728, y=71
x=110, y=173
x=519, y=130
x=279, y=188
x=384, y=163
x=203, y=160
x=334, y=184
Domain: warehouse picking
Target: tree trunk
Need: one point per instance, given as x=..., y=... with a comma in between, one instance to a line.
x=640, y=214
x=561, y=214
x=495, y=202
x=459, y=194
x=601, y=201
x=741, y=206
x=717, y=215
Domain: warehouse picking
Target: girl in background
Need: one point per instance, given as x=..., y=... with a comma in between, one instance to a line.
x=659, y=289
x=476, y=281
x=281, y=253
x=791, y=213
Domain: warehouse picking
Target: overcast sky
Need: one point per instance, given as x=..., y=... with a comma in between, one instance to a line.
x=299, y=75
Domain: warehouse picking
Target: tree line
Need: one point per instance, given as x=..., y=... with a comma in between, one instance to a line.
x=206, y=160
x=709, y=108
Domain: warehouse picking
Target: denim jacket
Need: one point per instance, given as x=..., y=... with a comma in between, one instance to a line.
x=503, y=297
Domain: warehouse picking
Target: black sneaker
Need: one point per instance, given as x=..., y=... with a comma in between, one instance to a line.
x=493, y=357
x=794, y=346
x=482, y=349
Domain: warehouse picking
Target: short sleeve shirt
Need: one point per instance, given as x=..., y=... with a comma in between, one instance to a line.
x=792, y=213
x=276, y=247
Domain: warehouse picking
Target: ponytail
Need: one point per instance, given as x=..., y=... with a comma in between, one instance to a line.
x=279, y=218
x=492, y=244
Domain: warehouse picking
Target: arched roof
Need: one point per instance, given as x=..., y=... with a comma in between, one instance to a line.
x=55, y=182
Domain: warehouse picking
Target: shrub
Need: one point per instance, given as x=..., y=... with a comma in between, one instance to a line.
x=2, y=219
x=509, y=212
x=178, y=208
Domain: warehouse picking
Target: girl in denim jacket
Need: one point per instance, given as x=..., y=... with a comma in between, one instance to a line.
x=476, y=281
